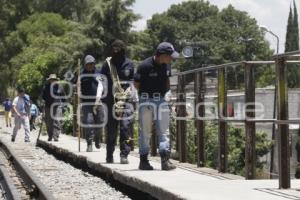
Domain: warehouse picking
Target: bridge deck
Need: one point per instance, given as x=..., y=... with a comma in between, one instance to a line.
x=185, y=182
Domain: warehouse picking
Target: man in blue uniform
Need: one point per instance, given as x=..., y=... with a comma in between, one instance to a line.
x=92, y=113
x=124, y=71
x=51, y=109
x=152, y=82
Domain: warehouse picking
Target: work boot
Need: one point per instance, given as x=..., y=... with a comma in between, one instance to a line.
x=123, y=159
x=89, y=147
x=109, y=156
x=165, y=162
x=97, y=145
x=109, y=159
x=12, y=138
x=144, y=163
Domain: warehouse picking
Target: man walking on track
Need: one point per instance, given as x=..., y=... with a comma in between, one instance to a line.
x=152, y=82
x=119, y=69
x=52, y=100
x=7, y=104
x=21, y=110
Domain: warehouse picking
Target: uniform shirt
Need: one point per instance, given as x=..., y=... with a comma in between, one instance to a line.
x=152, y=78
x=125, y=70
x=22, y=104
x=7, y=105
x=48, y=97
x=89, y=85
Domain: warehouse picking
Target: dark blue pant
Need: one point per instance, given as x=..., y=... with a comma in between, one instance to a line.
x=89, y=118
x=125, y=129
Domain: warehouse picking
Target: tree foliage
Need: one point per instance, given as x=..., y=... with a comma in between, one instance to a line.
x=44, y=44
x=292, y=44
x=236, y=146
x=227, y=35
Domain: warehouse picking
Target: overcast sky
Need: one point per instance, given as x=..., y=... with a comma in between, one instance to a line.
x=270, y=13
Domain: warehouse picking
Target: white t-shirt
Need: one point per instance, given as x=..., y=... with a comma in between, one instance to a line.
x=19, y=103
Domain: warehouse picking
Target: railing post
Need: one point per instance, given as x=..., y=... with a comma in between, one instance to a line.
x=250, y=153
x=200, y=126
x=222, y=113
x=181, y=124
x=283, y=129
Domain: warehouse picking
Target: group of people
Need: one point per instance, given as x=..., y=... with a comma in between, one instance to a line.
x=108, y=98
x=148, y=85
x=24, y=111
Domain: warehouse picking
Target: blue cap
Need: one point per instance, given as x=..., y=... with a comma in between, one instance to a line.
x=89, y=59
x=167, y=48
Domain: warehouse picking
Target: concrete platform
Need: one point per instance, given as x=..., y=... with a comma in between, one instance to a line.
x=186, y=182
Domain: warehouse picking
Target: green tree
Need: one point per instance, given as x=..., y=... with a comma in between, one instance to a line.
x=292, y=44
x=110, y=19
x=296, y=28
x=236, y=146
x=46, y=43
x=225, y=33
x=289, y=33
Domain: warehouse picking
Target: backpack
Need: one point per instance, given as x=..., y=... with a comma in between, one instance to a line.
x=27, y=103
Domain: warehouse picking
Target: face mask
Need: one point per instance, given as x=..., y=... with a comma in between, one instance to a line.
x=118, y=56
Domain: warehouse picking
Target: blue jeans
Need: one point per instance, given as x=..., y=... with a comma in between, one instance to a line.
x=155, y=111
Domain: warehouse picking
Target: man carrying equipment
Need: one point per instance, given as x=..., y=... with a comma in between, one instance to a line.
x=118, y=69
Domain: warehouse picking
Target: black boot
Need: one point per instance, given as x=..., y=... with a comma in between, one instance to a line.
x=144, y=163
x=109, y=157
x=165, y=162
x=97, y=145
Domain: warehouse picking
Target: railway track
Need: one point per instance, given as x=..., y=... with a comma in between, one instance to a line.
x=17, y=181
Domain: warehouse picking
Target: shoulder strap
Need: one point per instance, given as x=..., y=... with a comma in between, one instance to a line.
x=114, y=75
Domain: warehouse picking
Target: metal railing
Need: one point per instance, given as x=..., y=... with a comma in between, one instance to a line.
x=282, y=120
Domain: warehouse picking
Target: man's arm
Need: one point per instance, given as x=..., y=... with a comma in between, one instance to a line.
x=16, y=111
x=14, y=108
x=99, y=92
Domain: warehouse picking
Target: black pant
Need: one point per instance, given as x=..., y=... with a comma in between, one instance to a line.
x=31, y=122
x=53, y=125
x=92, y=122
x=124, y=127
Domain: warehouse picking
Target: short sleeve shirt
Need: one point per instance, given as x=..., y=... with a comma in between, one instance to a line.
x=20, y=105
x=7, y=105
x=152, y=77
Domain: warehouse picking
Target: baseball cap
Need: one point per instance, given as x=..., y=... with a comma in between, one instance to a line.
x=89, y=59
x=167, y=48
